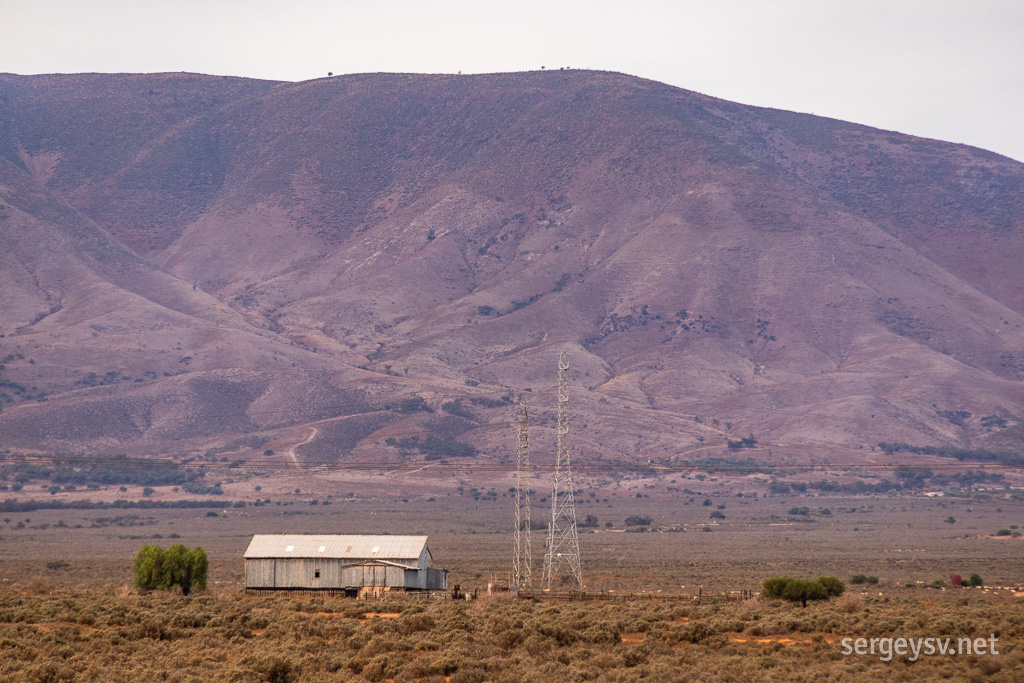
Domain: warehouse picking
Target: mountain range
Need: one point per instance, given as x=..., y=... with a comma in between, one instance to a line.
x=374, y=267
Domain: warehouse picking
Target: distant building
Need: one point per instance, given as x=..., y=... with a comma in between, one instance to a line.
x=352, y=564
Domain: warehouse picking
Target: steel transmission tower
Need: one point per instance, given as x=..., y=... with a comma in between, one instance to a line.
x=563, y=539
x=522, y=564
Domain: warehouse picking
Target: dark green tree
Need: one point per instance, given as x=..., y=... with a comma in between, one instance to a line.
x=177, y=568
x=157, y=568
x=149, y=568
x=199, y=566
x=774, y=587
x=832, y=585
x=799, y=590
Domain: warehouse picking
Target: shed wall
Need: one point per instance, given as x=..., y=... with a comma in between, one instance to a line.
x=435, y=579
x=425, y=559
x=259, y=574
x=301, y=573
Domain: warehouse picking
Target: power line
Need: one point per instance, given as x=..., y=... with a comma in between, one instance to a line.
x=447, y=465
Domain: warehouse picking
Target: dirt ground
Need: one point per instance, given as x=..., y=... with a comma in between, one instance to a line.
x=902, y=539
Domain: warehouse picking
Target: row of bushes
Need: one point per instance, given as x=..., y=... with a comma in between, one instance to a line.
x=11, y=505
x=977, y=454
x=435, y=447
x=119, y=469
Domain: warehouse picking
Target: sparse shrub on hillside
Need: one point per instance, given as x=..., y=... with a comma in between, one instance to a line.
x=748, y=442
x=993, y=422
x=955, y=417
x=456, y=408
x=411, y=405
x=435, y=447
x=486, y=402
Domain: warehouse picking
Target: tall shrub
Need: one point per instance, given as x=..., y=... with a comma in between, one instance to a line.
x=157, y=568
x=798, y=590
x=199, y=565
x=149, y=568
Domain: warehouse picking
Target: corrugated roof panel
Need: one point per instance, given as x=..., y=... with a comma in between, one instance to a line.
x=343, y=547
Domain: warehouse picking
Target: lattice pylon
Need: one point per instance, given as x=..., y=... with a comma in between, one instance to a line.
x=563, y=538
x=522, y=563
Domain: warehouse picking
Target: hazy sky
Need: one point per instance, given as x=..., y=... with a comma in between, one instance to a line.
x=948, y=69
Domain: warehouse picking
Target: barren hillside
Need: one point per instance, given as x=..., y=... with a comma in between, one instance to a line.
x=192, y=262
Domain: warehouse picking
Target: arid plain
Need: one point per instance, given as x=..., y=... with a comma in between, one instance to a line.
x=67, y=611
x=231, y=306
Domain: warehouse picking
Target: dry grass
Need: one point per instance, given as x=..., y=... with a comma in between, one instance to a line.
x=65, y=613
x=227, y=636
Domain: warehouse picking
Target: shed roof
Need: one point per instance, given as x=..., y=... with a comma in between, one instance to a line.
x=354, y=547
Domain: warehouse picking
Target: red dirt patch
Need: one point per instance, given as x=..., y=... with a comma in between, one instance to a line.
x=382, y=615
x=790, y=639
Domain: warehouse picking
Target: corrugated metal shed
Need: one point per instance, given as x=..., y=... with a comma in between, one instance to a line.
x=354, y=547
x=349, y=563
